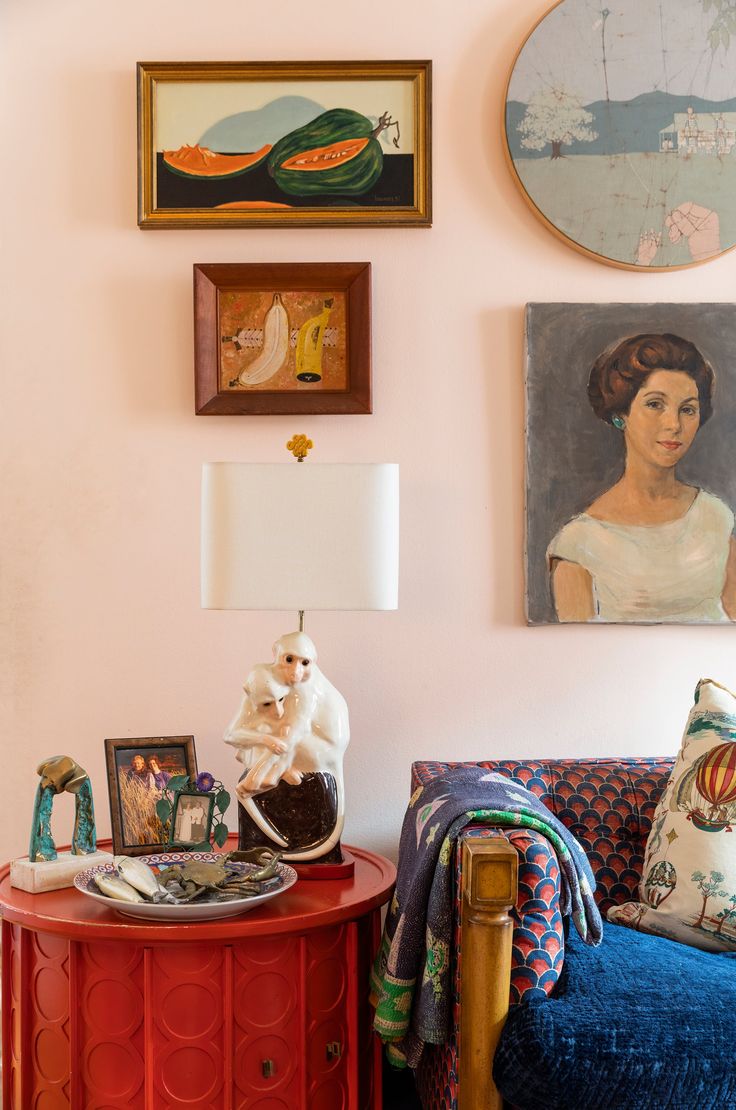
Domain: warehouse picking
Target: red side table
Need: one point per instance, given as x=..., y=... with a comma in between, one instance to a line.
x=268, y=1011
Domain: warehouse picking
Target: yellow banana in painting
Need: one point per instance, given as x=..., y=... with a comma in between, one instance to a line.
x=309, y=345
x=275, y=346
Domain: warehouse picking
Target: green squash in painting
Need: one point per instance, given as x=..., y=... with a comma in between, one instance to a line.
x=338, y=153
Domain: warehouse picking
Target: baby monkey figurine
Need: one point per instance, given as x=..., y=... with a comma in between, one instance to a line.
x=280, y=723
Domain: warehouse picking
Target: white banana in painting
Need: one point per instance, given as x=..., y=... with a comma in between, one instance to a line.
x=309, y=345
x=275, y=346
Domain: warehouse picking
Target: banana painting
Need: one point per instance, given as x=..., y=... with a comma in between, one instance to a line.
x=309, y=345
x=275, y=346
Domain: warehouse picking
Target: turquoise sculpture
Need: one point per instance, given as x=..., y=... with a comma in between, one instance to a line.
x=59, y=774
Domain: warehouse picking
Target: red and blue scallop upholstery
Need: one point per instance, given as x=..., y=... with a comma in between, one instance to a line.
x=608, y=804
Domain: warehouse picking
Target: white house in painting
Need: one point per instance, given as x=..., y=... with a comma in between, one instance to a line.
x=699, y=133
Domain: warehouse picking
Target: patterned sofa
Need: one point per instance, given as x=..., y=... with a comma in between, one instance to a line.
x=509, y=938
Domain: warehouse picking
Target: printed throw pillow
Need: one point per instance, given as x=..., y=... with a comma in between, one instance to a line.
x=688, y=887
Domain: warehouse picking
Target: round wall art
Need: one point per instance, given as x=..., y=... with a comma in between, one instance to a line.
x=621, y=128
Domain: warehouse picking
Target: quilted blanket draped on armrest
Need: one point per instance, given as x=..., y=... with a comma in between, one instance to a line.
x=410, y=979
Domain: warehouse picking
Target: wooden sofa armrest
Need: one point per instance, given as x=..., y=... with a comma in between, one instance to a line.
x=489, y=870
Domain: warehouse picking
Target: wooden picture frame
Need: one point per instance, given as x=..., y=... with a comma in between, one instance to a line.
x=225, y=144
x=627, y=162
x=282, y=338
x=134, y=788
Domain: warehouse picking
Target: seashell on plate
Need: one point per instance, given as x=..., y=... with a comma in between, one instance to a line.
x=140, y=876
x=117, y=888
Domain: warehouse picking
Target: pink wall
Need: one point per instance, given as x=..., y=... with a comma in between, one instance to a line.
x=102, y=631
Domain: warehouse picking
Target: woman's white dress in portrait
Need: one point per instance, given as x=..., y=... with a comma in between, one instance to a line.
x=656, y=572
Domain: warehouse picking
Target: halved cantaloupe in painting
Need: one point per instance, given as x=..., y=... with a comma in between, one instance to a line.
x=326, y=157
x=198, y=161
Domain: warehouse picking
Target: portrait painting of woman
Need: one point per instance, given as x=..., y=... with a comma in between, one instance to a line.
x=652, y=544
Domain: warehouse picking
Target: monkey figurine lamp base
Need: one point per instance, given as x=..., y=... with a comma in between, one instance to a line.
x=291, y=730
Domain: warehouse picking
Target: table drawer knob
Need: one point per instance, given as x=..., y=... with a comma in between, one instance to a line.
x=334, y=1050
x=268, y=1068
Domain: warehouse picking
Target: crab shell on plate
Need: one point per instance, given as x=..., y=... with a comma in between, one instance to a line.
x=85, y=882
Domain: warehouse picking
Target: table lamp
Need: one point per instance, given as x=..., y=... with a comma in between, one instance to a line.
x=296, y=536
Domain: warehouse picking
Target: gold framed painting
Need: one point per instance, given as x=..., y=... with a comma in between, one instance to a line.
x=281, y=338
x=284, y=144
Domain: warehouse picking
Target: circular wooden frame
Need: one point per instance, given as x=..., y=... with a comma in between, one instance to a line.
x=533, y=206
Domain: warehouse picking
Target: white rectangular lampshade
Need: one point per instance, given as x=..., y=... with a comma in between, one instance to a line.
x=300, y=536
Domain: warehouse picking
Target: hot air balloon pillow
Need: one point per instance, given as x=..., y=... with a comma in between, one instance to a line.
x=688, y=887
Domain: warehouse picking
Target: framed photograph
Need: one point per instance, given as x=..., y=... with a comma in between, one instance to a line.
x=621, y=129
x=284, y=144
x=137, y=773
x=630, y=482
x=282, y=338
x=191, y=821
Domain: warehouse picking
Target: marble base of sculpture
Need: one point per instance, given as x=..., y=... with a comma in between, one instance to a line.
x=53, y=874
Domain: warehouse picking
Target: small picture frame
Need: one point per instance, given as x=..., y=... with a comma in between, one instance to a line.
x=284, y=144
x=138, y=771
x=282, y=338
x=191, y=820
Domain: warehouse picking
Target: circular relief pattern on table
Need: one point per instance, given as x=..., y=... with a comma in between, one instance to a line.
x=51, y=1054
x=320, y=1035
x=251, y=1057
x=190, y=1010
x=49, y=1100
x=326, y=985
x=15, y=1042
x=328, y=1096
x=113, y=1071
x=324, y=942
x=15, y=973
x=53, y=948
x=113, y=1007
x=621, y=128
x=188, y=960
x=51, y=991
x=266, y=950
x=110, y=956
x=277, y=996
x=189, y=1074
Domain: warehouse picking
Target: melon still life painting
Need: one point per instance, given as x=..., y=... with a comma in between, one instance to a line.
x=620, y=128
x=282, y=338
x=630, y=483
x=234, y=144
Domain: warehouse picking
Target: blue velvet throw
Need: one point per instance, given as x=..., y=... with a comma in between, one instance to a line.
x=411, y=977
x=640, y=1023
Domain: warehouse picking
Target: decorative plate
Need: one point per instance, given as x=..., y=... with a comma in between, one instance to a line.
x=192, y=911
x=621, y=128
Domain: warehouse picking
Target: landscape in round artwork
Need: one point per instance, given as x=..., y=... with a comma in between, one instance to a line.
x=621, y=128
